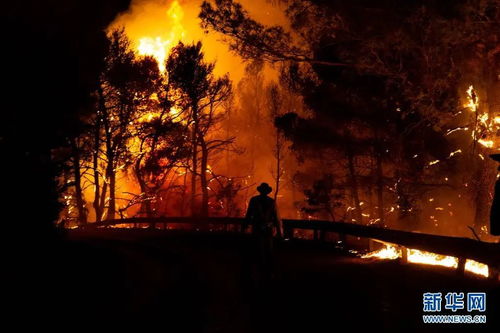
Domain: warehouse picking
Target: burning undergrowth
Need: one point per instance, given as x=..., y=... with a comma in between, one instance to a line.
x=389, y=251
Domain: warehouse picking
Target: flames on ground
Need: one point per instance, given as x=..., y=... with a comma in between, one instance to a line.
x=392, y=251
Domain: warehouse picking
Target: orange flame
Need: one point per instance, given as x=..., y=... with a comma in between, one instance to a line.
x=472, y=99
x=159, y=46
x=390, y=251
x=487, y=127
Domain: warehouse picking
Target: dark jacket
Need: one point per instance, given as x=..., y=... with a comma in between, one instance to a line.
x=495, y=211
x=262, y=214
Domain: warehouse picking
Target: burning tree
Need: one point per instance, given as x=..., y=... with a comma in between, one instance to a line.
x=152, y=124
x=200, y=97
x=276, y=109
x=323, y=198
x=252, y=100
x=384, y=92
x=162, y=146
x=72, y=183
x=127, y=85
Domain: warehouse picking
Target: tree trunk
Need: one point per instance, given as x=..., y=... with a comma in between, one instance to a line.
x=96, y=203
x=111, y=178
x=354, y=186
x=486, y=170
x=80, y=205
x=203, y=177
x=278, y=165
x=111, y=175
x=104, y=192
x=149, y=210
x=145, y=204
x=486, y=175
x=110, y=171
x=194, y=161
x=183, y=206
x=97, y=142
x=380, y=186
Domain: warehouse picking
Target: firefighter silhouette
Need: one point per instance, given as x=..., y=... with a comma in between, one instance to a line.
x=262, y=215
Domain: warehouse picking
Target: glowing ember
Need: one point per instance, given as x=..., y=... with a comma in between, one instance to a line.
x=458, y=151
x=456, y=129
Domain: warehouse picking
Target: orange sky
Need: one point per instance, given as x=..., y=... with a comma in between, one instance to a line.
x=161, y=23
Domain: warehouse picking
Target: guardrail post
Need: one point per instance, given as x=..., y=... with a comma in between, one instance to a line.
x=404, y=254
x=461, y=266
x=493, y=273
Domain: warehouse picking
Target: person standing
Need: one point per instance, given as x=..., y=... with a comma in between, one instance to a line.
x=262, y=215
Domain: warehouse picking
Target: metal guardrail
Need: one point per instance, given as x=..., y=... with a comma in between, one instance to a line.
x=462, y=248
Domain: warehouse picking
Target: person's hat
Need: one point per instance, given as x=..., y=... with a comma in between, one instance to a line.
x=495, y=157
x=264, y=188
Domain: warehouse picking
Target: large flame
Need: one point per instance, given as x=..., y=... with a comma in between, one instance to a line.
x=391, y=251
x=156, y=26
x=159, y=46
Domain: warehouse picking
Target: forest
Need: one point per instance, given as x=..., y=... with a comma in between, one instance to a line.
x=135, y=133
x=359, y=111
